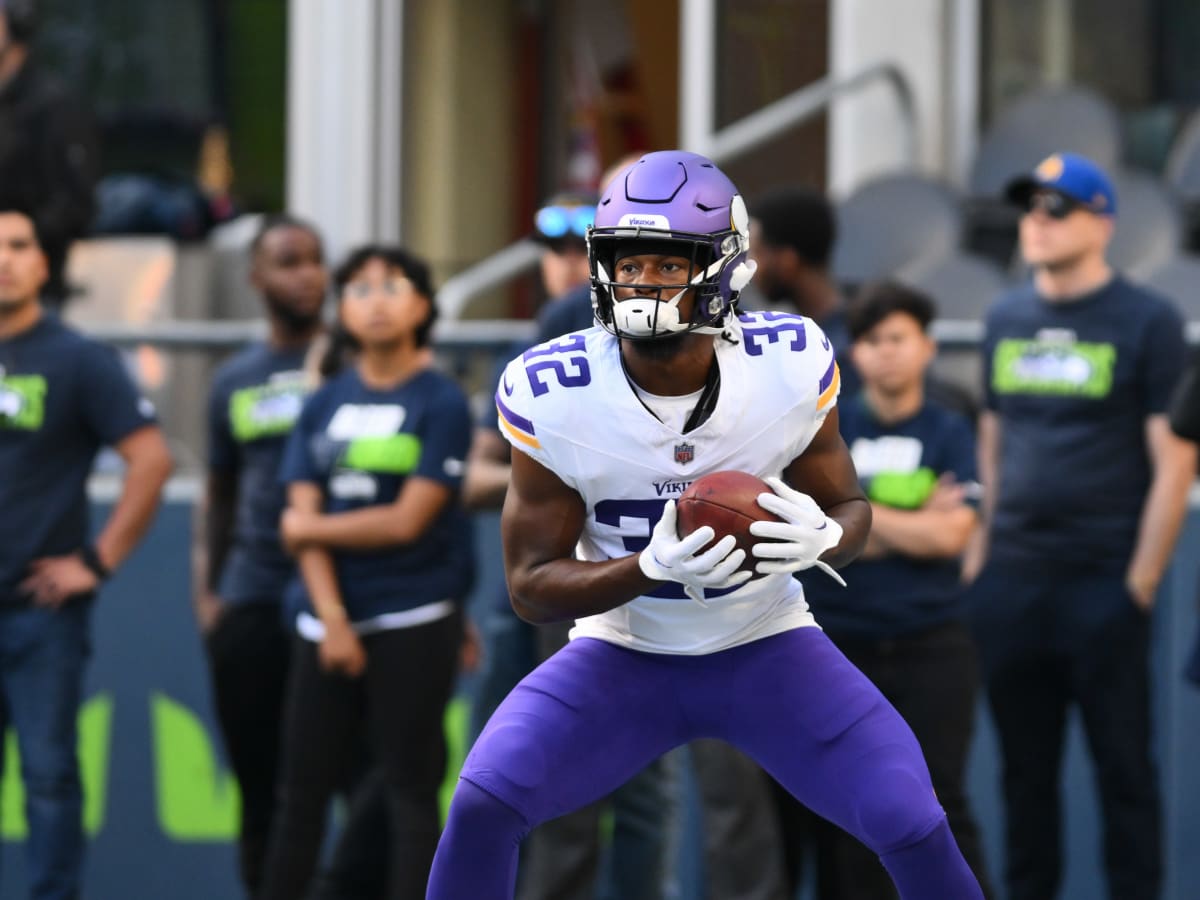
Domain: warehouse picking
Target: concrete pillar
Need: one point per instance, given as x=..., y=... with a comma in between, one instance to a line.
x=936, y=44
x=345, y=90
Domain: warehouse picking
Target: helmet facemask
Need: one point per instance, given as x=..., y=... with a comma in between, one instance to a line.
x=652, y=312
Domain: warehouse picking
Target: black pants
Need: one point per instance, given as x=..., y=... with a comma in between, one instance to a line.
x=1052, y=635
x=248, y=653
x=932, y=678
x=400, y=700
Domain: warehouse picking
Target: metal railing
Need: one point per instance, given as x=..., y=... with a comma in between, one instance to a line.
x=467, y=334
x=734, y=140
x=198, y=334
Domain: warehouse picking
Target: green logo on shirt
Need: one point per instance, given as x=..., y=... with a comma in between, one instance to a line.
x=902, y=490
x=265, y=410
x=396, y=454
x=22, y=402
x=1066, y=369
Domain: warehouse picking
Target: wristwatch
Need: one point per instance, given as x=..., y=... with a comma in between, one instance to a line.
x=91, y=559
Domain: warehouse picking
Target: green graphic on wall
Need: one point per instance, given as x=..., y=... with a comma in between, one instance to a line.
x=95, y=738
x=458, y=715
x=196, y=799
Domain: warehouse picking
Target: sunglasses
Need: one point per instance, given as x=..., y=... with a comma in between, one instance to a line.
x=560, y=221
x=1055, y=205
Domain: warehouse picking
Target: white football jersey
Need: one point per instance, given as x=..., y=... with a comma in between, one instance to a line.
x=568, y=404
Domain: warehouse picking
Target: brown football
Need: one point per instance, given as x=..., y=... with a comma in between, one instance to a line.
x=728, y=501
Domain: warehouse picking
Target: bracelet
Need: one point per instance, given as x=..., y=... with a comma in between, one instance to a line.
x=91, y=559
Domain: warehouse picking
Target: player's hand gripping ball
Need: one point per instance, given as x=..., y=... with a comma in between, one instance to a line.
x=728, y=503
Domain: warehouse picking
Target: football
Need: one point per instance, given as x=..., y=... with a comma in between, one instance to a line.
x=728, y=502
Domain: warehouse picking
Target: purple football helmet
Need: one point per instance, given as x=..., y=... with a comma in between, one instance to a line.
x=670, y=203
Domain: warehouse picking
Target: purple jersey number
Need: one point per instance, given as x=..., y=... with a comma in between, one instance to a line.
x=581, y=375
x=635, y=536
x=780, y=324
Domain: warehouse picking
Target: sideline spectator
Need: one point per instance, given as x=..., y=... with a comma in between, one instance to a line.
x=1185, y=422
x=62, y=397
x=385, y=556
x=1085, y=491
x=902, y=617
x=239, y=565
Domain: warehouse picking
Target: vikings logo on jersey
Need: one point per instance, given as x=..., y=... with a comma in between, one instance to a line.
x=568, y=405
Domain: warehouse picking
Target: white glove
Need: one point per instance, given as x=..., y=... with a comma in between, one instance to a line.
x=671, y=558
x=803, y=535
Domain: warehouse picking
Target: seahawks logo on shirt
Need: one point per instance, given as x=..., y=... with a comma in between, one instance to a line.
x=22, y=402
x=890, y=468
x=267, y=410
x=1062, y=368
x=367, y=441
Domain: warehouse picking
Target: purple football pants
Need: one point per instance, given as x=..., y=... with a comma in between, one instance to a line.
x=594, y=714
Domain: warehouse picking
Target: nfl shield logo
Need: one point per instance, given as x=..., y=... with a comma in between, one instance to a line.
x=684, y=453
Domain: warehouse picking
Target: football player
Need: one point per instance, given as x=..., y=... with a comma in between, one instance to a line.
x=674, y=640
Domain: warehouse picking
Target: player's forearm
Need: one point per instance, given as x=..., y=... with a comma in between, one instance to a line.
x=131, y=517
x=564, y=589
x=924, y=533
x=854, y=516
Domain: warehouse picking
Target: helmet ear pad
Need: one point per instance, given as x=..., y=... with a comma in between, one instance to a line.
x=741, y=275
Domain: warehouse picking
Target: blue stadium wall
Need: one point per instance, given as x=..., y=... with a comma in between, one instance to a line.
x=161, y=807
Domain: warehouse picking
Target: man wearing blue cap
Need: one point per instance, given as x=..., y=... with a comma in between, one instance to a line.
x=1085, y=490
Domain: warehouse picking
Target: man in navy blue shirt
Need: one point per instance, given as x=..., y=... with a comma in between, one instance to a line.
x=241, y=569
x=1085, y=490
x=62, y=397
x=901, y=617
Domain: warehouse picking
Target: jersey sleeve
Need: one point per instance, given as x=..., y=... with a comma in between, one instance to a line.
x=820, y=373
x=112, y=405
x=516, y=411
x=445, y=438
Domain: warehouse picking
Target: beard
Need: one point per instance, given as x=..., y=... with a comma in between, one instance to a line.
x=10, y=305
x=293, y=320
x=660, y=349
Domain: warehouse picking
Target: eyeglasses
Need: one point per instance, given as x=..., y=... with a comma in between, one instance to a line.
x=1055, y=205
x=391, y=287
x=560, y=221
